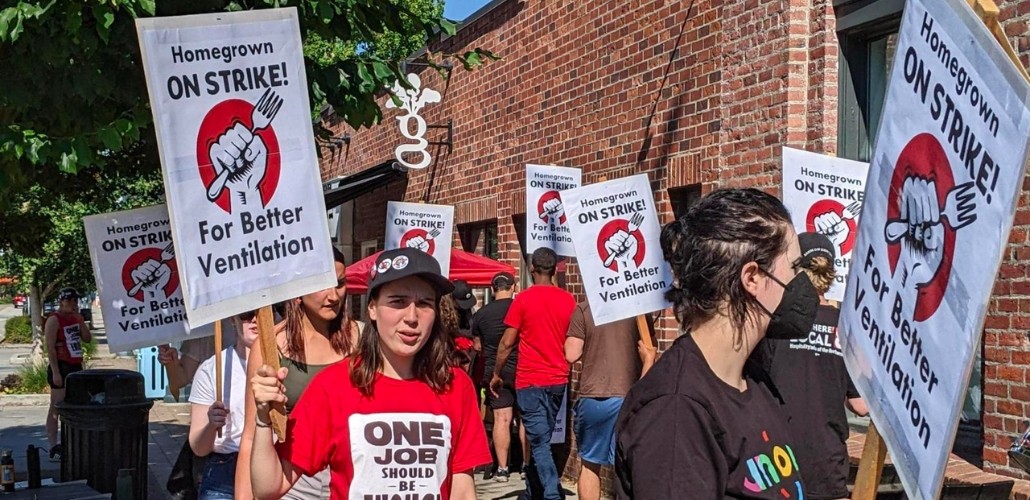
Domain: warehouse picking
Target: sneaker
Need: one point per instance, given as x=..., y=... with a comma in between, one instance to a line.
x=55, y=453
x=502, y=475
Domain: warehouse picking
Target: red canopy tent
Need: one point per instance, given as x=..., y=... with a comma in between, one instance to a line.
x=475, y=269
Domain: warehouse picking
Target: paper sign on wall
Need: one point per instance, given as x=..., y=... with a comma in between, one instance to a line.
x=137, y=278
x=546, y=225
x=429, y=228
x=943, y=185
x=616, y=234
x=233, y=121
x=824, y=194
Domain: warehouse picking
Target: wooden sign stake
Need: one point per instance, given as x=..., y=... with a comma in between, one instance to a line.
x=870, y=468
x=644, y=331
x=270, y=353
x=218, y=365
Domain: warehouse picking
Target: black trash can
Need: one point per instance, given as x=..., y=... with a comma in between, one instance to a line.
x=104, y=428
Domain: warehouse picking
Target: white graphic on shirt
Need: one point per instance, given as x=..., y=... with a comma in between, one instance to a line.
x=73, y=339
x=403, y=454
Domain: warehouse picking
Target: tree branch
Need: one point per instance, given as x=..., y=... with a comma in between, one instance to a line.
x=50, y=286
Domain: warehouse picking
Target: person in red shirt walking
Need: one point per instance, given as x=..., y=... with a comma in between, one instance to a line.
x=395, y=419
x=65, y=331
x=538, y=319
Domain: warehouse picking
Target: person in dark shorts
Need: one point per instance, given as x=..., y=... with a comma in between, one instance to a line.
x=488, y=328
x=815, y=385
x=65, y=332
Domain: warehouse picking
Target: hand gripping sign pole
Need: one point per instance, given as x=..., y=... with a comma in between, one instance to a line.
x=270, y=353
x=874, y=452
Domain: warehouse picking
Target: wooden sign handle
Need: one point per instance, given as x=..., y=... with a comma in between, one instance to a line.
x=644, y=331
x=870, y=468
x=270, y=353
x=218, y=365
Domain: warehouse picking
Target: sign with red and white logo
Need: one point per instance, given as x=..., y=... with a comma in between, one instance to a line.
x=137, y=278
x=546, y=225
x=944, y=182
x=616, y=235
x=418, y=225
x=233, y=121
x=824, y=195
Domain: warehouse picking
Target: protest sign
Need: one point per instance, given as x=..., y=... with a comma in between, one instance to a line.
x=616, y=234
x=561, y=421
x=824, y=195
x=233, y=121
x=943, y=185
x=426, y=227
x=546, y=224
x=137, y=278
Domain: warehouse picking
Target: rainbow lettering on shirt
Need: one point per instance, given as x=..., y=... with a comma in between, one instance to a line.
x=766, y=472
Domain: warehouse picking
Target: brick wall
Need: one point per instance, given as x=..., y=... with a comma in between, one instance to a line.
x=615, y=88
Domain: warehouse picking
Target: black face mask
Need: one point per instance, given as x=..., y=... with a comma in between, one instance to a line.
x=793, y=318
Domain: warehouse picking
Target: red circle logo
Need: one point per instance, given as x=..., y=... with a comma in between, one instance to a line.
x=152, y=258
x=822, y=208
x=614, y=236
x=234, y=159
x=418, y=238
x=547, y=208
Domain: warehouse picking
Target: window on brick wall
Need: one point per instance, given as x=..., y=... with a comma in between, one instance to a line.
x=682, y=198
x=867, y=34
x=480, y=238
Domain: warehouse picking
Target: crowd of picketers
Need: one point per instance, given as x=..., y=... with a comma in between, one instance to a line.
x=748, y=399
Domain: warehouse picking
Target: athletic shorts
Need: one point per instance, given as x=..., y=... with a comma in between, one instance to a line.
x=505, y=396
x=64, y=369
x=594, y=425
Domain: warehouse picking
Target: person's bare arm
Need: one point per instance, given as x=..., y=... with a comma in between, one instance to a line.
x=50, y=333
x=463, y=486
x=504, y=349
x=205, y=421
x=647, y=355
x=270, y=476
x=242, y=491
x=857, y=406
x=87, y=336
x=573, y=349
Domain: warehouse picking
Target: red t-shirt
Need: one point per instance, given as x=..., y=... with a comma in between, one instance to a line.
x=69, y=337
x=405, y=439
x=541, y=315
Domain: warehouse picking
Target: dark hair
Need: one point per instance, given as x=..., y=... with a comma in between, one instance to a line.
x=709, y=245
x=339, y=327
x=432, y=362
x=502, y=282
x=544, y=261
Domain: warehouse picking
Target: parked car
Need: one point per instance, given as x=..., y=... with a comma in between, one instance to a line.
x=20, y=301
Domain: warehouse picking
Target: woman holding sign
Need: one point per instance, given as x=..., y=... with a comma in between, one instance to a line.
x=704, y=420
x=397, y=418
x=316, y=332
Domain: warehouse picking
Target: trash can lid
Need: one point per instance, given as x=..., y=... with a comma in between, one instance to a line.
x=104, y=387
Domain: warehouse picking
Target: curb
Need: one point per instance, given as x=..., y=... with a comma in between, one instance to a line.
x=25, y=400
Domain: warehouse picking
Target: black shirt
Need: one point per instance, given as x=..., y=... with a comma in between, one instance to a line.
x=488, y=325
x=813, y=382
x=684, y=433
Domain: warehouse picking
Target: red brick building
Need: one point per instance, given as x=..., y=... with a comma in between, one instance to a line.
x=697, y=95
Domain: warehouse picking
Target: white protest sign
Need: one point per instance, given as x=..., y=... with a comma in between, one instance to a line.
x=943, y=185
x=426, y=227
x=137, y=278
x=233, y=121
x=616, y=234
x=824, y=195
x=546, y=220
x=561, y=421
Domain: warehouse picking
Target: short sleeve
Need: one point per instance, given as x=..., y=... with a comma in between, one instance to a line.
x=308, y=431
x=577, y=325
x=470, y=447
x=514, y=317
x=203, y=391
x=852, y=391
x=668, y=447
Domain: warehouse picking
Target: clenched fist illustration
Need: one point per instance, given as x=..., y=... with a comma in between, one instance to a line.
x=623, y=246
x=419, y=243
x=240, y=159
x=152, y=276
x=834, y=228
x=920, y=231
x=554, y=209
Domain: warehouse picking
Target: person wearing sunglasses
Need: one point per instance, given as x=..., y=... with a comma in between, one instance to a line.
x=397, y=420
x=705, y=423
x=208, y=416
x=316, y=332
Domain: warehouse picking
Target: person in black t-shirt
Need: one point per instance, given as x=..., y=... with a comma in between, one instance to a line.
x=487, y=329
x=704, y=423
x=813, y=381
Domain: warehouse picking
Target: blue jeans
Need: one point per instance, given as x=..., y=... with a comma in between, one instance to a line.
x=219, y=480
x=540, y=407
